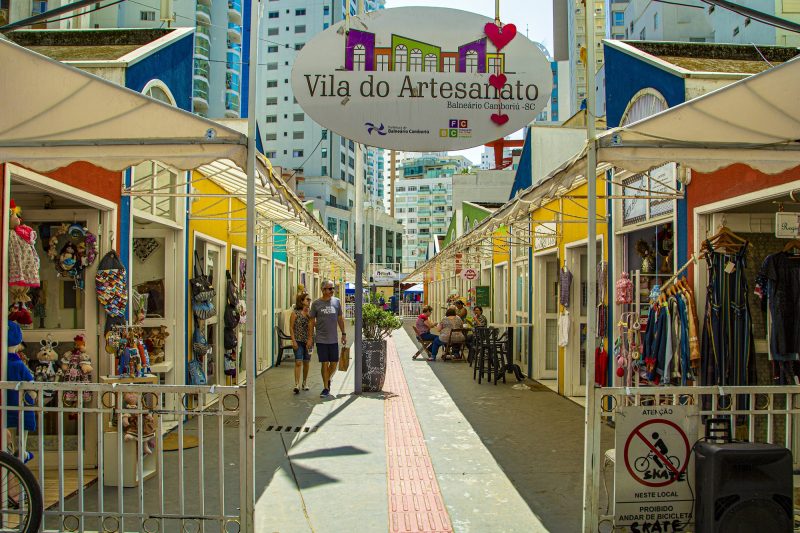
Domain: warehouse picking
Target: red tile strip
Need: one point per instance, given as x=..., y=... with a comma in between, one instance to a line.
x=415, y=501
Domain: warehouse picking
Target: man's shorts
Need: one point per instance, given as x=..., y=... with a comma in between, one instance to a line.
x=328, y=353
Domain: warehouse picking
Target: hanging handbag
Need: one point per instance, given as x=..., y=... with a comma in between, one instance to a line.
x=202, y=286
x=624, y=290
x=111, y=285
x=204, y=310
x=199, y=343
x=232, y=293
x=196, y=374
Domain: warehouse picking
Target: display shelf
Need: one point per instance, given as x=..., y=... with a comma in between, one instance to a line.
x=162, y=368
x=130, y=465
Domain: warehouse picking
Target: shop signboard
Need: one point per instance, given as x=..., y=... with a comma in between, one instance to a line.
x=483, y=296
x=385, y=275
x=787, y=225
x=421, y=79
x=545, y=236
x=469, y=274
x=654, y=467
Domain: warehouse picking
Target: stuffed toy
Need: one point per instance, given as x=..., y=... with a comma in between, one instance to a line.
x=23, y=261
x=130, y=423
x=647, y=255
x=77, y=367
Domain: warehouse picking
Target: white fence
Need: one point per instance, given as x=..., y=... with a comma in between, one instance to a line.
x=87, y=433
x=757, y=414
x=410, y=309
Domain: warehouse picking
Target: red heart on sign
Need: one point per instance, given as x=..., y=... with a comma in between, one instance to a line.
x=499, y=119
x=497, y=80
x=500, y=36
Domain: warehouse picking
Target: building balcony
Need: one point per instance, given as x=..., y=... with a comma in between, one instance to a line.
x=234, y=33
x=201, y=69
x=206, y=2
x=232, y=101
x=235, y=11
x=200, y=93
x=203, y=13
x=337, y=206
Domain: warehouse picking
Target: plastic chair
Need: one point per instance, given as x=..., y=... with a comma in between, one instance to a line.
x=426, y=344
x=284, y=343
x=451, y=347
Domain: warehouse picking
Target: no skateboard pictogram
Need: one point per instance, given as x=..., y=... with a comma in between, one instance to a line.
x=657, y=453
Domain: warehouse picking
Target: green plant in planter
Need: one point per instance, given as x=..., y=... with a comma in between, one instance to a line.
x=377, y=323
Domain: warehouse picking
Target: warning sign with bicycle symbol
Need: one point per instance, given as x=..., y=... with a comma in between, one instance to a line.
x=654, y=467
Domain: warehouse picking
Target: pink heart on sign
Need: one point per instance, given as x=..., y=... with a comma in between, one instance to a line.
x=499, y=119
x=497, y=80
x=500, y=36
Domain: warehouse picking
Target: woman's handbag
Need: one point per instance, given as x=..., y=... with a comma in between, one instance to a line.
x=202, y=286
x=111, y=285
x=196, y=374
x=199, y=343
x=344, y=359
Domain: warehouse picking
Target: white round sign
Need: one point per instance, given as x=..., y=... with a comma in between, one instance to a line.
x=422, y=79
x=469, y=274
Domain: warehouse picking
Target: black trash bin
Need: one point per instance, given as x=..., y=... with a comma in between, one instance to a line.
x=373, y=360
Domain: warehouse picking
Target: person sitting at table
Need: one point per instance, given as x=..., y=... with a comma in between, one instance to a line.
x=479, y=320
x=450, y=322
x=424, y=325
x=461, y=311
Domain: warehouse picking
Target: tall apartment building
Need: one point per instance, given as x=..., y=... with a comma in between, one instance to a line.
x=424, y=202
x=647, y=20
x=615, y=9
x=729, y=27
x=219, y=90
x=324, y=162
x=576, y=31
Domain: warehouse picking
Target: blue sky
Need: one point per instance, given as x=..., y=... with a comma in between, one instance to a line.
x=532, y=16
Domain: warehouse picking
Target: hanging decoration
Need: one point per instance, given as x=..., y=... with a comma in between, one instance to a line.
x=144, y=247
x=23, y=261
x=72, y=249
x=499, y=35
x=111, y=285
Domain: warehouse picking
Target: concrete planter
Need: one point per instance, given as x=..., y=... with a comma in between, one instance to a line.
x=374, y=365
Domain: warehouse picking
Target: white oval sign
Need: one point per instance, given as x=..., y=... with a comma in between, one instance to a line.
x=422, y=79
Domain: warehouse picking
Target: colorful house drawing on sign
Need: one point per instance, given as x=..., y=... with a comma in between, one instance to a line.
x=409, y=55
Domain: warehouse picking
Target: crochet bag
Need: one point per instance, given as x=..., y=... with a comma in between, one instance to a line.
x=201, y=285
x=204, y=310
x=199, y=343
x=111, y=285
x=196, y=374
x=624, y=290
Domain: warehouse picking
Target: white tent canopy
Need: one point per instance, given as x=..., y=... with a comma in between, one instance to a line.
x=115, y=128
x=55, y=114
x=754, y=121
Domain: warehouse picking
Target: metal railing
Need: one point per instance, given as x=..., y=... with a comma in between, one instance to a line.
x=757, y=414
x=99, y=455
x=410, y=309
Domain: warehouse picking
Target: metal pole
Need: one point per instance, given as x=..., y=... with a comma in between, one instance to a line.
x=392, y=177
x=590, y=462
x=249, y=489
x=359, y=254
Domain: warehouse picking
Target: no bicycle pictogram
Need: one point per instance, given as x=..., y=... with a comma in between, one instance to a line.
x=657, y=453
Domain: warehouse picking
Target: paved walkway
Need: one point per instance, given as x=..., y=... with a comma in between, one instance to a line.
x=434, y=452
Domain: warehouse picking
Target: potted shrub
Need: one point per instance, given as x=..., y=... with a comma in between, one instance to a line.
x=377, y=326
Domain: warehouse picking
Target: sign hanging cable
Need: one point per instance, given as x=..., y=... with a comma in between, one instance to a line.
x=760, y=16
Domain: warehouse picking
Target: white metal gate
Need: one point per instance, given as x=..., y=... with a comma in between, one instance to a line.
x=758, y=414
x=197, y=486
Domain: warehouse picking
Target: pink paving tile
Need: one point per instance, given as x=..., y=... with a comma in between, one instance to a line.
x=415, y=500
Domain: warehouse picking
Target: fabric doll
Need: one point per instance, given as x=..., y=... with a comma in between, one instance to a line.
x=77, y=366
x=17, y=370
x=23, y=262
x=130, y=423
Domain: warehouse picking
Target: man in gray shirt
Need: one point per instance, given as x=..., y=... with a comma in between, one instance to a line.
x=326, y=314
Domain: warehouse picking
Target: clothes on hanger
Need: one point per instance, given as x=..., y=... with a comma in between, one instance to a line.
x=728, y=347
x=564, y=324
x=564, y=285
x=778, y=281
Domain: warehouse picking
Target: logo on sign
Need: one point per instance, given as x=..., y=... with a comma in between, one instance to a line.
x=469, y=274
x=650, y=460
x=377, y=129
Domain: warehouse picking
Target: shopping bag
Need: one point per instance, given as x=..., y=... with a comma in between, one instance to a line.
x=344, y=359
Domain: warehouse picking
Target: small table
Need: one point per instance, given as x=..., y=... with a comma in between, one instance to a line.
x=510, y=365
